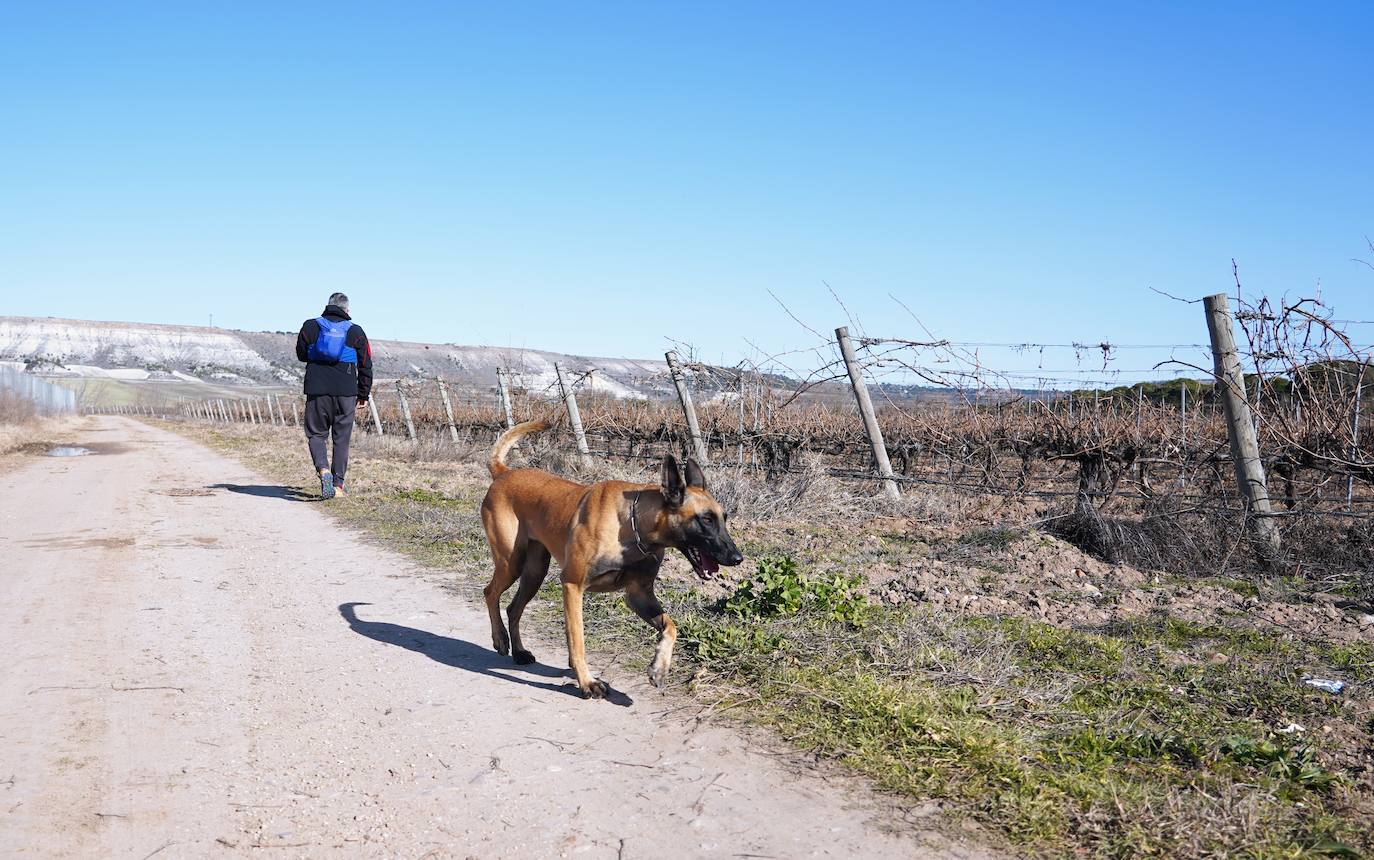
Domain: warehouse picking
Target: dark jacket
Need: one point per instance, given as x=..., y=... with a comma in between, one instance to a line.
x=343, y=379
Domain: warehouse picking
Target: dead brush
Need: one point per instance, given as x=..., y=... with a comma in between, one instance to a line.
x=15, y=409
x=1166, y=534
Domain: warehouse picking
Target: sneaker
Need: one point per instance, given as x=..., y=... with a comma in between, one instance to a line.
x=338, y=488
x=326, y=484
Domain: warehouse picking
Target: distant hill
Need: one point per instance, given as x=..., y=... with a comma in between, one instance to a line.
x=118, y=362
x=144, y=352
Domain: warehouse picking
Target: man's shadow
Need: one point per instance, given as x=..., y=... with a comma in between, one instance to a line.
x=464, y=655
x=268, y=491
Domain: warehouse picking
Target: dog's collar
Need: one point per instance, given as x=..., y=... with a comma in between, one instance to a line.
x=634, y=524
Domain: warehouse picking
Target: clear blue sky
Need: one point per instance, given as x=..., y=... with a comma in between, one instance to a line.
x=595, y=177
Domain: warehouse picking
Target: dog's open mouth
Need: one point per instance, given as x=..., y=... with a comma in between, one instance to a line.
x=702, y=561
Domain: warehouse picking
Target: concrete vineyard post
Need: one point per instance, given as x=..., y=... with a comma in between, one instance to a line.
x=1240, y=427
x=684, y=396
x=871, y=428
x=1354, y=437
x=503, y=392
x=739, y=454
x=376, y=409
x=1183, y=433
x=574, y=417
x=448, y=409
x=1183, y=410
x=405, y=410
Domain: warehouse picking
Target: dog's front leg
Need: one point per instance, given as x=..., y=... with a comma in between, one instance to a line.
x=639, y=594
x=577, y=650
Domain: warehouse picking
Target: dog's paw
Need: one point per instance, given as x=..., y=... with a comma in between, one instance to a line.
x=594, y=689
x=501, y=645
x=657, y=674
x=523, y=657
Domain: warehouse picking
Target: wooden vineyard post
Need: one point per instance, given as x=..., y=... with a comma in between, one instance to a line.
x=574, y=417
x=1240, y=428
x=405, y=410
x=871, y=428
x=295, y=415
x=684, y=396
x=448, y=408
x=503, y=392
x=376, y=411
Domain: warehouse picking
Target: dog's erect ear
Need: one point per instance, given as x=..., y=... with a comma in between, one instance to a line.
x=674, y=491
x=695, y=476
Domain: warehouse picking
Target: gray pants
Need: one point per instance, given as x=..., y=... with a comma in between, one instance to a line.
x=329, y=414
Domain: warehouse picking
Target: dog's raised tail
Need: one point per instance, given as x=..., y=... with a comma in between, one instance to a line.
x=497, y=463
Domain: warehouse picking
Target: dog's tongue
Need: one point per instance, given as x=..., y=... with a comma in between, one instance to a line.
x=709, y=563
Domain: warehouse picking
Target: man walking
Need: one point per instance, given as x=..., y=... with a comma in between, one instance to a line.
x=338, y=380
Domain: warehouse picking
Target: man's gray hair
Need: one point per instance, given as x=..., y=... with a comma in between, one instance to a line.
x=339, y=300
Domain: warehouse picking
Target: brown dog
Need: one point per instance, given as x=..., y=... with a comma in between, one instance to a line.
x=606, y=536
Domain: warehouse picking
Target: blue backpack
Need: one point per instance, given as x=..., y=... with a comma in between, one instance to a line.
x=330, y=346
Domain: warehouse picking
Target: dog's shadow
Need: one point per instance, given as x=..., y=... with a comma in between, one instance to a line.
x=461, y=654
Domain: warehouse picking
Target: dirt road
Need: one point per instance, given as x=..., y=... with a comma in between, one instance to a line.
x=196, y=664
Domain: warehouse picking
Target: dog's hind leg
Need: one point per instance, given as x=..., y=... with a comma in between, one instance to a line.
x=639, y=594
x=532, y=574
x=501, y=580
x=507, y=555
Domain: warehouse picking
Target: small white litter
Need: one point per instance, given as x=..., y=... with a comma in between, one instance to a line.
x=1291, y=728
x=67, y=451
x=1324, y=685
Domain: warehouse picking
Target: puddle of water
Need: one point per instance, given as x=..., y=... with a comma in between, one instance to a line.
x=68, y=451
